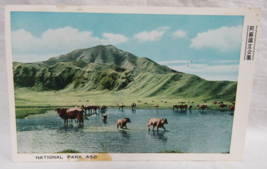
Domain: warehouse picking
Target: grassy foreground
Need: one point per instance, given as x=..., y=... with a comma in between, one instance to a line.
x=26, y=100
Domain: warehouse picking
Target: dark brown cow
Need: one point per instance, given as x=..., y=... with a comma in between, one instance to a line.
x=133, y=105
x=232, y=108
x=182, y=107
x=103, y=108
x=121, y=106
x=222, y=105
x=190, y=106
x=122, y=122
x=175, y=106
x=202, y=107
x=156, y=106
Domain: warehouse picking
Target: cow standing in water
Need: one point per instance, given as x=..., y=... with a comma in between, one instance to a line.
x=121, y=107
x=202, y=107
x=175, y=106
x=122, y=122
x=104, y=118
x=190, y=107
x=133, y=105
x=159, y=122
x=71, y=113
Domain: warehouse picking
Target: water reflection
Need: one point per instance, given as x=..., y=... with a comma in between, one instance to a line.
x=158, y=135
x=124, y=134
x=211, y=128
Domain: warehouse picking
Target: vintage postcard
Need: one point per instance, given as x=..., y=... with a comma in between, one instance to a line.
x=129, y=83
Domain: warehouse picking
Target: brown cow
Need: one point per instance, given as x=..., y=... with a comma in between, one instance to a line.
x=182, y=107
x=122, y=122
x=133, y=105
x=175, y=106
x=104, y=117
x=214, y=102
x=62, y=113
x=202, y=106
x=121, y=106
x=232, y=107
x=222, y=105
x=71, y=113
x=159, y=122
x=156, y=106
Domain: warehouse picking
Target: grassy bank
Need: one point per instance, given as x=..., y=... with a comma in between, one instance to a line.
x=26, y=100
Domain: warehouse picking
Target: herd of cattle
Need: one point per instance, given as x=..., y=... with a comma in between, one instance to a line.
x=78, y=113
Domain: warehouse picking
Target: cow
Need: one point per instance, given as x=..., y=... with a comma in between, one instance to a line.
x=103, y=108
x=104, y=117
x=133, y=105
x=190, y=107
x=182, y=107
x=62, y=112
x=159, y=122
x=175, y=106
x=202, y=107
x=222, y=105
x=122, y=122
x=156, y=106
x=214, y=102
x=71, y=113
x=121, y=106
x=232, y=107
x=165, y=101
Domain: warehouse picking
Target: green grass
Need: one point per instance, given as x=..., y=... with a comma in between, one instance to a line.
x=171, y=151
x=23, y=112
x=68, y=151
x=26, y=100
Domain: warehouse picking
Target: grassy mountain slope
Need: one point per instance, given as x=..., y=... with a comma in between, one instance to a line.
x=107, y=68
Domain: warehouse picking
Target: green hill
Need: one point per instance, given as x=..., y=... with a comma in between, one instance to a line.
x=107, y=68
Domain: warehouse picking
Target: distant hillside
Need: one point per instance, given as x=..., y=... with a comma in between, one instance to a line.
x=109, y=68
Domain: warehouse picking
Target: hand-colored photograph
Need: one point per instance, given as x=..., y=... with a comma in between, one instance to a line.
x=124, y=83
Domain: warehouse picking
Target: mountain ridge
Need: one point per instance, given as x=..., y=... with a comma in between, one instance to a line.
x=111, y=69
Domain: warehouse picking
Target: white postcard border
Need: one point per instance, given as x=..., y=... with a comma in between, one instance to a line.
x=244, y=89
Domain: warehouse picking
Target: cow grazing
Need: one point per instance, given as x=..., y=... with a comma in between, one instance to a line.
x=214, y=102
x=222, y=105
x=158, y=122
x=122, y=122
